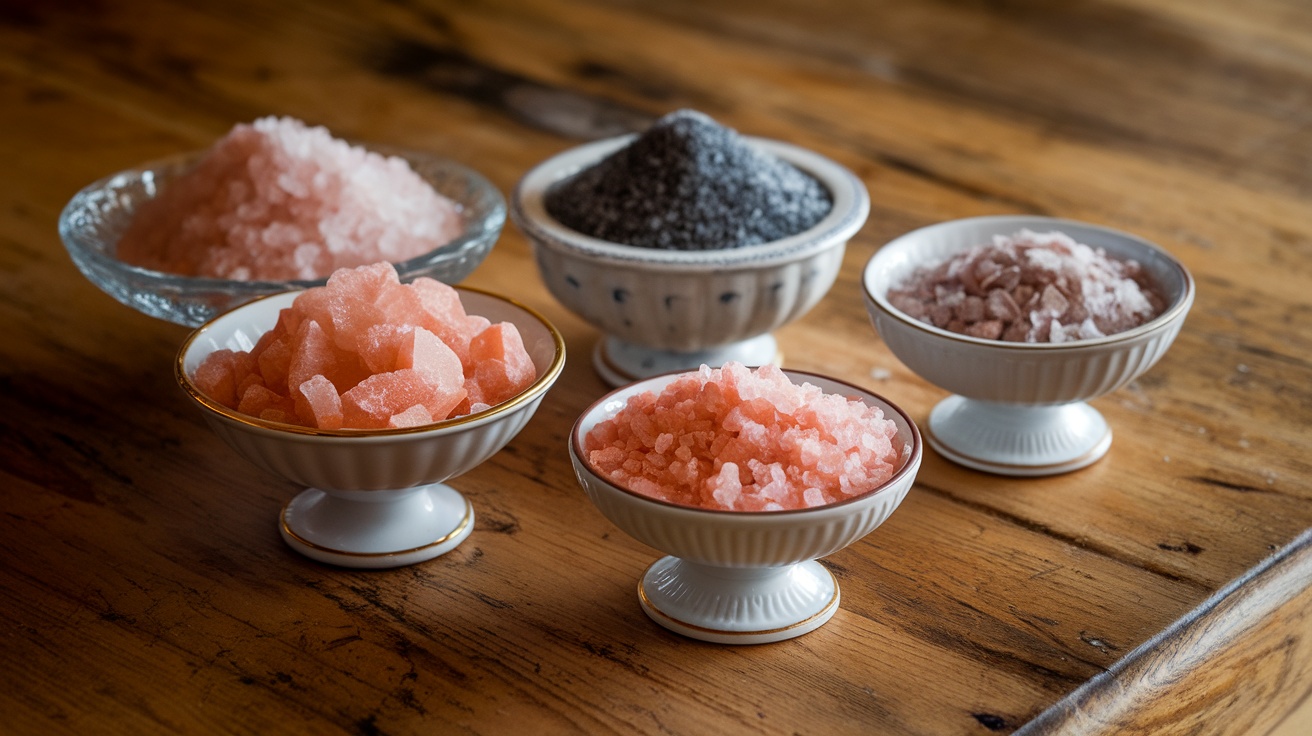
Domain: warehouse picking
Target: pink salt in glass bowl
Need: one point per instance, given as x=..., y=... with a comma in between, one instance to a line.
x=743, y=577
x=671, y=310
x=376, y=498
x=1020, y=409
x=96, y=217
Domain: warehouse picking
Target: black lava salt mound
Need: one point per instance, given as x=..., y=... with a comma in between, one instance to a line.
x=689, y=183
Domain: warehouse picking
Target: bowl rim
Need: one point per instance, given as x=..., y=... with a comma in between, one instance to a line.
x=470, y=238
x=910, y=460
x=850, y=209
x=544, y=381
x=1176, y=310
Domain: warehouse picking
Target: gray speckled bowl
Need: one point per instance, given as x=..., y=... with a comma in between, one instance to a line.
x=666, y=310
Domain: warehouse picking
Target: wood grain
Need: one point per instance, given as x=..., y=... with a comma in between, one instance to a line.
x=143, y=585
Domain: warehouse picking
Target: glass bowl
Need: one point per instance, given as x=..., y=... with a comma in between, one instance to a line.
x=376, y=498
x=742, y=577
x=1020, y=409
x=670, y=310
x=94, y=219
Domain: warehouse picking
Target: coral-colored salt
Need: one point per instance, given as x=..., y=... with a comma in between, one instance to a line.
x=277, y=200
x=1030, y=287
x=358, y=353
x=742, y=440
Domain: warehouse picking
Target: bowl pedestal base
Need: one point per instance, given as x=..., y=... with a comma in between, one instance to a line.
x=620, y=363
x=738, y=605
x=1018, y=440
x=377, y=529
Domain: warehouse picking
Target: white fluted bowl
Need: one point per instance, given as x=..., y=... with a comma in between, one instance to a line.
x=738, y=577
x=667, y=310
x=1020, y=409
x=377, y=497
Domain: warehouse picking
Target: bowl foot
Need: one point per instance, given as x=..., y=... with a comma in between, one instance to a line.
x=377, y=529
x=620, y=363
x=738, y=605
x=1017, y=440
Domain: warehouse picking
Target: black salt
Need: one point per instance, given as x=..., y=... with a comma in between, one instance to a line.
x=689, y=183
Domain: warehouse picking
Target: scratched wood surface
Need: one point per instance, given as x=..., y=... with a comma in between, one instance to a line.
x=143, y=585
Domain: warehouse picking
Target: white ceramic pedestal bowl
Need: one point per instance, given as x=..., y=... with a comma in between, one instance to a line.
x=665, y=310
x=734, y=577
x=376, y=498
x=96, y=217
x=1019, y=409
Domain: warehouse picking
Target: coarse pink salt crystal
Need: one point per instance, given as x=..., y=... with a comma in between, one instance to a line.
x=415, y=416
x=349, y=354
x=372, y=402
x=438, y=365
x=501, y=365
x=444, y=315
x=318, y=398
x=736, y=439
x=1030, y=287
x=257, y=399
x=278, y=200
x=216, y=378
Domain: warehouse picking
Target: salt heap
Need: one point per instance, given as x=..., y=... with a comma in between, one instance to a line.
x=735, y=439
x=689, y=183
x=276, y=200
x=1030, y=287
x=366, y=352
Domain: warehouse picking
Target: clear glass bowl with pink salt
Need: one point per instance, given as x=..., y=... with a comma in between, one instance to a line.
x=743, y=577
x=1020, y=408
x=666, y=310
x=95, y=218
x=375, y=498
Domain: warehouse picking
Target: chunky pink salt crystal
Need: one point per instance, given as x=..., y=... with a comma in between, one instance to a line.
x=1030, y=287
x=742, y=440
x=215, y=377
x=277, y=200
x=318, y=398
x=415, y=416
x=501, y=365
x=359, y=353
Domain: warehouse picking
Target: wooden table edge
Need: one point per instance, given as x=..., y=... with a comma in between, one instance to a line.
x=1242, y=660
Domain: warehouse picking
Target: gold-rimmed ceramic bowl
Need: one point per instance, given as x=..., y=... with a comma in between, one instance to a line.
x=375, y=498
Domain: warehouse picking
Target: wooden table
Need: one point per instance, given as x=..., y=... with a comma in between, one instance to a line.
x=143, y=584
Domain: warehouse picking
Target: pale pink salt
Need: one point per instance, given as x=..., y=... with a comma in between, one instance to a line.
x=741, y=440
x=357, y=353
x=1030, y=287
x=277, y=200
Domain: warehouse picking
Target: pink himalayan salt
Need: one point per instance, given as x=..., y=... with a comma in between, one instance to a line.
x=742, y=440
x=357, y=353
x=1030, y=287
x=277, y=200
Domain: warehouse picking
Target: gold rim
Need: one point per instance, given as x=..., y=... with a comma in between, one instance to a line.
x=539, y=386
x=651, y=607
x=464, y=524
